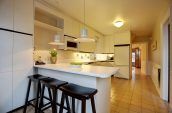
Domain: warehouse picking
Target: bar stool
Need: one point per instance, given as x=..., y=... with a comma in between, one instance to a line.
x=33, y=78
x=52, y=84
x=80, y=93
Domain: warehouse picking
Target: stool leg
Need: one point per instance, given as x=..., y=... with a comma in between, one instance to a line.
x=67, y=103
x=37, y=97
x=41, y=99
x=73, y=105
x=62, y=103
x=50, y=96
x=83, y=109
x=27, y=96
x=93, y=105
x=54, y=107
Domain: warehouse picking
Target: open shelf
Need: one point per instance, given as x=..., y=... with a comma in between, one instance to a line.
x=47, y=26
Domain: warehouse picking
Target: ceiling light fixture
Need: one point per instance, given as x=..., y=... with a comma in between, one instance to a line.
x=84, y=32
x=56, y=41
x=118, y=23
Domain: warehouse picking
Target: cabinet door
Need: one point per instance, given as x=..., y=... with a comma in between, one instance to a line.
x=87, y=47
x=6, y=12
x=100, y=45
x=6, y=44
x=20, y=83
x=6, y=92
x=22, y=51
x=23, y=16
x=22, y=67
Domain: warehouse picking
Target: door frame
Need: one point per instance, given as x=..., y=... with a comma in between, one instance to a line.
x=164, y=88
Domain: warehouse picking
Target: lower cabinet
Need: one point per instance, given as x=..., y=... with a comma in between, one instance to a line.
x=20, y=83
x=6, y=92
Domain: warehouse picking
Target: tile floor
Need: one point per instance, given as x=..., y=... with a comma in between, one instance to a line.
x=133, y=96
x=136, y=96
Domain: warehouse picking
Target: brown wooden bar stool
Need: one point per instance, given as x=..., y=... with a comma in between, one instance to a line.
x=80, y=93
x=36, y=79
x=53, y=85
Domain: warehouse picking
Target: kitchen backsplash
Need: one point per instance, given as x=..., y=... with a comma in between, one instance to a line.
x=69, y=56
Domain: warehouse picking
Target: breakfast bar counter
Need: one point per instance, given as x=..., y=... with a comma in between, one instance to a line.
x=98, y=77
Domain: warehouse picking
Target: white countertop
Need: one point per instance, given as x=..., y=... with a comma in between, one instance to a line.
x=89, y=70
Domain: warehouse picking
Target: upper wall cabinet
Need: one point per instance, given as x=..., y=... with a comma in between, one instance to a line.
x=71, y=27
x=47, y=26
x=17, y=15
x=123, y=38
x=23, y=16
x=6, y=12
x=109, y=44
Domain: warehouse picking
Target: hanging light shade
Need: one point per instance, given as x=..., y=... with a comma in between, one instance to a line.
x=84, y=32
x=56, y=41
x=84, y=36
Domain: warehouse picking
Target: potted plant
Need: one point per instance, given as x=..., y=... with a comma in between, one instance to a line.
x=53, y=57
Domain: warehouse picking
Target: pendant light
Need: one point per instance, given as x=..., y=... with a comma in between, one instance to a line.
x=84, y=32
x=56, y=41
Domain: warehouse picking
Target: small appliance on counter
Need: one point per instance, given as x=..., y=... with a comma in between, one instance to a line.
x=39, y=61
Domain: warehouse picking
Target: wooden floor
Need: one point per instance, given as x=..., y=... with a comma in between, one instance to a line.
x=136, y=96
x=133, y=96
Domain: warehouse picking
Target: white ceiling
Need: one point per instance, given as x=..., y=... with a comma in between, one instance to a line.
x=139, y=15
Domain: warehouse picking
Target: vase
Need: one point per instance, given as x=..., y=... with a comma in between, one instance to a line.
x=53, y=60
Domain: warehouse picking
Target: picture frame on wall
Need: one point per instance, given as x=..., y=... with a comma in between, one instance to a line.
x=154, y=45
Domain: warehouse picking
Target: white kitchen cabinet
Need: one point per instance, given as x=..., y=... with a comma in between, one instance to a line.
x=23, y=16
x=87, y=47
x=16, y=49
x=6, y=43
x=6, y=12
x=22, y=51
x=109, y=44
x=71, y=27
x=6, y=92
x=22, y=67
x=100, y=45
x=123, y=38
x=20, y=83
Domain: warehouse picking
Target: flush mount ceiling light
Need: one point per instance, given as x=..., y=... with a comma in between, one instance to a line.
x=118, y=23
x=84, y=32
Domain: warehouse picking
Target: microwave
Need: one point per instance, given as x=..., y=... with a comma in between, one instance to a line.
x=70, y=44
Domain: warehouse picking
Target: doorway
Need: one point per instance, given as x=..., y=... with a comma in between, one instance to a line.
x=136, y=57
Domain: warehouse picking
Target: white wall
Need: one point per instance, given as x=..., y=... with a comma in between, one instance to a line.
x=157, y=57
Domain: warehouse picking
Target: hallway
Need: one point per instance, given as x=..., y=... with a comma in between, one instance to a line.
x=136, y=96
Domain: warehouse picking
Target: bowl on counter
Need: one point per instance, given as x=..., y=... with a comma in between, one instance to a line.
x=76, y=64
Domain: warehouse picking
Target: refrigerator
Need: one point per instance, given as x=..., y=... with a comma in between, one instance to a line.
x=122, y=60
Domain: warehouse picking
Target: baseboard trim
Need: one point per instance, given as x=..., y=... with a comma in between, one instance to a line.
x=14, y=110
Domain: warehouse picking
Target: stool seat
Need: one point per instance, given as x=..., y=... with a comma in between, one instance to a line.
x=53, y=83
x=77, y=91
x=37, y=77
